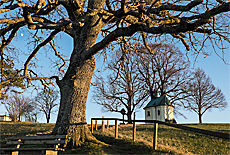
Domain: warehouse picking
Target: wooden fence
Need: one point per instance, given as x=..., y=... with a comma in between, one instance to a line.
x=183, y=127
x=116, y=127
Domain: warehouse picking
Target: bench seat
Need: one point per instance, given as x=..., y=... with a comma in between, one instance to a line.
x=35, y=143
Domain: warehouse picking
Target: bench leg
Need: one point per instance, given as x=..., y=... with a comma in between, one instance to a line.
x=50, y=152
x=15, y=153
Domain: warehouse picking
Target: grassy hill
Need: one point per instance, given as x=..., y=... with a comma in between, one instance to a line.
x=170, y=140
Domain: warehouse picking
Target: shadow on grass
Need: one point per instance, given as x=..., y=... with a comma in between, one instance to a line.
x=123, y=146
x=225, y=131
x=114, y=146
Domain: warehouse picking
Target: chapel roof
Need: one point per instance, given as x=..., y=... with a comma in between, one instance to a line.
x=158, y=101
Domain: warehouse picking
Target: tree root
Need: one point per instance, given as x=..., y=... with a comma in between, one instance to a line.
x=78, y=135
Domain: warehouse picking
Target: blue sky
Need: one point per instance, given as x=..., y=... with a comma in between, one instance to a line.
x=212, y=65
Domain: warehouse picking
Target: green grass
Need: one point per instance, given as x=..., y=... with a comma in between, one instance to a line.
x=170, y=140
x=177, y=141
x=9, y=129
x=217, y=127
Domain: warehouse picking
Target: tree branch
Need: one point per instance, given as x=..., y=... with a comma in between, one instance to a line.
x=12, y=7
x=145, y=43
x=175, y=7
x=58, y=55
x=52, y=35
x=182, y=40
x=180, y=27
x=7, y=42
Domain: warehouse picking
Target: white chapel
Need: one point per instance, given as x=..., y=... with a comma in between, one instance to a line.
x=159, y=109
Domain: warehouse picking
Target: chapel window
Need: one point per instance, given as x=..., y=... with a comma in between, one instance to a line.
x=148, y=113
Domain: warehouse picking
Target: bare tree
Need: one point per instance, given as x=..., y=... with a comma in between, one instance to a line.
x=166, y=71
x=133, y=78
x=195, y=24
x=203, y=95
x=122, y=87
x=46, y=102
x=17, y=105
x=32, y=113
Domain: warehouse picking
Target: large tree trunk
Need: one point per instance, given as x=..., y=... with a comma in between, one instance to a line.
x=74, y=90
x=75, y=84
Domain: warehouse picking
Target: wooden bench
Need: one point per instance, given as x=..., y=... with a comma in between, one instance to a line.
x=46, y=144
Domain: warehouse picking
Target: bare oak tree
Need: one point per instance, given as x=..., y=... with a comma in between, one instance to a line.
x=166, y=71
x=121, y=88
x=46, y=102
x=203, y=95
x=194, y=23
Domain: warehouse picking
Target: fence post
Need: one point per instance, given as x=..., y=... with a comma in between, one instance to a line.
x=103, y=124
x=95, y=124
x=155, y=136
x=134, y=127
x=107, y=124
x=116, y=128
x=92, y=125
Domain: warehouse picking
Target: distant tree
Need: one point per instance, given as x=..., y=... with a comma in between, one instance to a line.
x=165, y=69
x=122, y=87
x=10, y=78
x=203, y=95
x=134, y=77
x=17, y=105
x=32, y=115
x=46, y=102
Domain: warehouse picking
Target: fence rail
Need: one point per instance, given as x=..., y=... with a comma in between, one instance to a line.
x=179, y=126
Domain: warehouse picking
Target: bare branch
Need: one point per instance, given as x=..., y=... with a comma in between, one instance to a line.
x=145, y=43
x=182, y=40
x=58, y=55
x=108, y=5
x=175, y=7
x=52, y=35
x=12, y=7
x=7, y=42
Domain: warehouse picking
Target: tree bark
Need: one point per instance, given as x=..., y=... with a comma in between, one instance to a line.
x=200, y=118
x=74, y=91
x=48, y=120
x=129, y=115
x=75, y=84
x=47, y=117
x=200, y=115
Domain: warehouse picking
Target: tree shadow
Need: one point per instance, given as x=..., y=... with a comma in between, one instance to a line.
x=124, y=146
x=224, y=131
